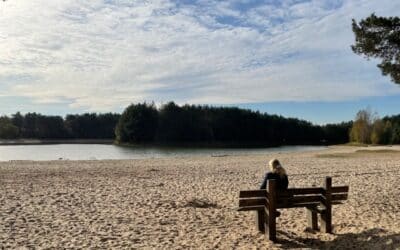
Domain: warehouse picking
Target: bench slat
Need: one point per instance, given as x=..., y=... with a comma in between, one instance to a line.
x=303, y=204
x=291, y=201
x=339, y=197
x=340, y=189
x=292, y=191
x=252, y=193
x=337, y=200
x=298, y=191
x=252, y=202
x=292, y=197
x=251, y=208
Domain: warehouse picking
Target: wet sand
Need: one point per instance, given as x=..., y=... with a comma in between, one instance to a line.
x=181, y=203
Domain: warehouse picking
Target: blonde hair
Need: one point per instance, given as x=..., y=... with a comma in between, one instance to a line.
x=276, y=167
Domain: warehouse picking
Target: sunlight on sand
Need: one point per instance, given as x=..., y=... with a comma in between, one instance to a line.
x=191, y=202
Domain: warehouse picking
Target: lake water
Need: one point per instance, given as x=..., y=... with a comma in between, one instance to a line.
x=101, y=151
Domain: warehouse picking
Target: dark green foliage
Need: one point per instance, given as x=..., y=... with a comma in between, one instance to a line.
x=190, y=124
x=34, y=125
x=7, y=129
x=50, y=127
x=336, y=133
x=85, y=126
x=379, y=37
x=395, y=138
x=91, y=125
x=137, y=124
x=18, y=121
x=183, y=124
x=392, y=132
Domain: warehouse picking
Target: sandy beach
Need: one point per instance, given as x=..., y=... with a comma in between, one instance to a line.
x=182, y=203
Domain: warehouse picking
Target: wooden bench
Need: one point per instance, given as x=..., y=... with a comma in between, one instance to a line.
x=316, y=200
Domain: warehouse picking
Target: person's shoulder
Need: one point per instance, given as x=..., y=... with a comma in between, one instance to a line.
x=270, y=175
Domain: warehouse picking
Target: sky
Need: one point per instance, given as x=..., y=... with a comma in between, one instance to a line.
x=289, y=57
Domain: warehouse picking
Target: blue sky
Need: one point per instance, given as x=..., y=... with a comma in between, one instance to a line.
x=289, y=57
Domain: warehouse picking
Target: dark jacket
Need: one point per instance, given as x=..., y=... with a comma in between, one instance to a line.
x=281, y=183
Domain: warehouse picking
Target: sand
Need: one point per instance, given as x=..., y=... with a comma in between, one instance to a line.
x=183, y=203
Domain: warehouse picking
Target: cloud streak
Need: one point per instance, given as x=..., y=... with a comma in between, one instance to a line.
x=103, y=55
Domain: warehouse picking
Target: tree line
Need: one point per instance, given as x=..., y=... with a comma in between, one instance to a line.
x=38, y=126
x=170, y=124
x=195, y=124
x=368, y=128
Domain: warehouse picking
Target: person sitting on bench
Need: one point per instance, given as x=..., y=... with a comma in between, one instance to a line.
x=277, y=173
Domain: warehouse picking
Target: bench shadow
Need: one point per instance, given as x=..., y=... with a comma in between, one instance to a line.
x=376, y=238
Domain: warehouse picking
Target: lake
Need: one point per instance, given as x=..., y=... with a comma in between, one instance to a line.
x=101, y=151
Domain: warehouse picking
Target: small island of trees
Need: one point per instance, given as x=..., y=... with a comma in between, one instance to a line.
x=227, y=126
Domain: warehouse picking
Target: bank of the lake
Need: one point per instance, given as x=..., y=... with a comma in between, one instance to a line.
x=190, y=202
x=16, y=142
x=47, y=152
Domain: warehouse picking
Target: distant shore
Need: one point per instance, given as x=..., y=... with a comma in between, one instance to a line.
x=55, y=141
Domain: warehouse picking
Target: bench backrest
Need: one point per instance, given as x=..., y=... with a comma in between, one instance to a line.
x=292, y=197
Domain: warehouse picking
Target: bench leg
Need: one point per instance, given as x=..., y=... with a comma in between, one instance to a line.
x=261, y=221
x=272, y=210
x=312, y=218
x=326, y=221
x=326, y=217
x=271, y=226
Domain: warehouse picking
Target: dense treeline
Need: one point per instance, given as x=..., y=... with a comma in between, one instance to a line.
x=392, y=124
x=173, y=124
x=37, y=126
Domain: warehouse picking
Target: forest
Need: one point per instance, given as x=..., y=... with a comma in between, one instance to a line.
x=199, y=125
x=37, y=126
x=172, y=124
x=227, y=126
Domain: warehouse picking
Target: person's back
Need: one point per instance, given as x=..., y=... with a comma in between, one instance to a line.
x=282, y=182
x=277, y=173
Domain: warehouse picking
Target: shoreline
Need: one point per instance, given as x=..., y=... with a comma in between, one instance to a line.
x=19, y=142
x=52, y=153
x=216, y=145
x=114, y=152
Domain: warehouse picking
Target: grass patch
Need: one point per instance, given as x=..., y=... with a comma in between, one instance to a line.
x=357, y=153
x=355, y=144
x=377, y=151
x=335, y=155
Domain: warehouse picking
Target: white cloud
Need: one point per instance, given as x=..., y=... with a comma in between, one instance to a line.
x=103, y=55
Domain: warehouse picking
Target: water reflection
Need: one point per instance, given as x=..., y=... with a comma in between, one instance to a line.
x=101, y=151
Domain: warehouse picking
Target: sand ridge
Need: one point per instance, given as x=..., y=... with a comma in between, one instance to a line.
x=183, y=203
